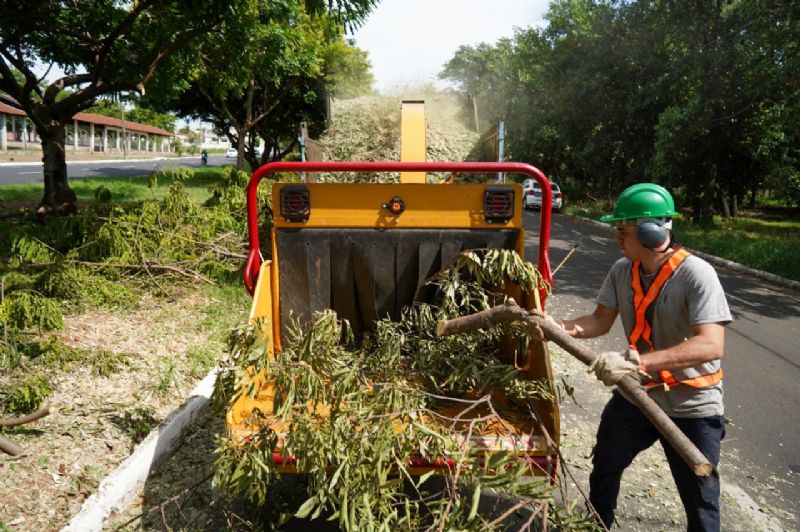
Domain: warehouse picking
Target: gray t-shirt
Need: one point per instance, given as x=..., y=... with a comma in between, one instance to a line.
x=691, y=296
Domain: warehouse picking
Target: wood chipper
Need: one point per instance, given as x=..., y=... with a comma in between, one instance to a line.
x=365, y=251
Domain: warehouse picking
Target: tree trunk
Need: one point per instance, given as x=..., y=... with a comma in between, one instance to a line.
x=58, y=198
x=696, y=200
x=240, y=133
x=753, y=195
x=705, y=216
x=726, y=210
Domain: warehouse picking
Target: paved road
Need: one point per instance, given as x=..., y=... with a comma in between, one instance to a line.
x=762, y=361
x=11, y=173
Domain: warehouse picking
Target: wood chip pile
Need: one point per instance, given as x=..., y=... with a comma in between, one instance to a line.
x=368, y=129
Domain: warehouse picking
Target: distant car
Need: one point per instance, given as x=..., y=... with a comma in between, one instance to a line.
x=231, y=153
x=532, y=195
x=257, y=151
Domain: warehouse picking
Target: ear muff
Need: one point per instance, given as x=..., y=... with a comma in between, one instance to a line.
x=652, y=235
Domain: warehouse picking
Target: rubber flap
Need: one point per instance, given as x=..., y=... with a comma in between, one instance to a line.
x=367, y=274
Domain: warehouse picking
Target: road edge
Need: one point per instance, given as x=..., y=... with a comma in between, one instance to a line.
x=766, y=523
x=101, y=161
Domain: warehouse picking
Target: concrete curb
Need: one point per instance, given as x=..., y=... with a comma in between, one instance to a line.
x=118, y=489
x=761, y=521
x=719, y=261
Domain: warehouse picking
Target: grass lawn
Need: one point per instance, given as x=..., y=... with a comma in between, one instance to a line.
x=768, y=245
x=123, y=189
x=765, y=243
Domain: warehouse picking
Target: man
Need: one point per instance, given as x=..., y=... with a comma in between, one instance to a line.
x=673, y=310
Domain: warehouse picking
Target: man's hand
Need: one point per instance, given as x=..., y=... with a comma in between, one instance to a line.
x=611, y=366
x=535, y=331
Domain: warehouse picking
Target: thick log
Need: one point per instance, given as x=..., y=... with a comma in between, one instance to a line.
x=628, y=385
x=9, y=447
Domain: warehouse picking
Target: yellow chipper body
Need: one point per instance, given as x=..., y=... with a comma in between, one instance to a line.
x=365, y=251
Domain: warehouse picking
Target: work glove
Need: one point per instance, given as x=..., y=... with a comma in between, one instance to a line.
x=535, y=331
x=611, y=366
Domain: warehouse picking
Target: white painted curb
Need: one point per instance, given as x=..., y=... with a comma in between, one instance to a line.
x=118, y=489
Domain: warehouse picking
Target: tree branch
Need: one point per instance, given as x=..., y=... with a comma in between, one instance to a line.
x=22, y=420
x=629, y=386
x=180, y=271
x=66, y=81
x=177, y=44
x=8, y=446
x=116, y=33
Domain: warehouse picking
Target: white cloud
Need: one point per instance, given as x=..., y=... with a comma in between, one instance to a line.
x=409, y=41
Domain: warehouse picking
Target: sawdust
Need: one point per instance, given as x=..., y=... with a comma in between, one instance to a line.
x=96, y=421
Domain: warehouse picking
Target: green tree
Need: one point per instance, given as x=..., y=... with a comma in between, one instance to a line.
x=103, y=48
x=347, y=69
x=246, y=68
x=275, y=79
x=730, y=120
x=701, y=97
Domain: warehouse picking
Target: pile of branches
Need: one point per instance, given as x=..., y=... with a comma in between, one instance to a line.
x=358, y=409
x=100, y=257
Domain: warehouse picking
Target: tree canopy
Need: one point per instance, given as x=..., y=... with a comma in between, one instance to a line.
x=262, y=74
x=347, y=69
x=103, y=48
x=698, y=97
x=109, y=47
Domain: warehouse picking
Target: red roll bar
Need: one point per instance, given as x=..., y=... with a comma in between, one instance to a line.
x=254, y=258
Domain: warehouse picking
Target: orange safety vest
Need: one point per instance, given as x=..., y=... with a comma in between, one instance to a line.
x=642, y=329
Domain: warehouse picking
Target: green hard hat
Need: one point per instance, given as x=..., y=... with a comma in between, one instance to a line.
x=643, y=200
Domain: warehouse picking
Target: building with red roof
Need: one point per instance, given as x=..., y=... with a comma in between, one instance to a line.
x=88, y=132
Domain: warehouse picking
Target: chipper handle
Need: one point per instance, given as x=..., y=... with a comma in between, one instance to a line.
x=629, y=386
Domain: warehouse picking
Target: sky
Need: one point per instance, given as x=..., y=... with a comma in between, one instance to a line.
x=409, y=41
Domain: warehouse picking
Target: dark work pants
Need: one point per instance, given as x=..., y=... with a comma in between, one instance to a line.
x=624, y=432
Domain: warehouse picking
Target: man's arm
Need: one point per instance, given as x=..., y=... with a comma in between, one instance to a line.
x=591, y=325
x=707, y=344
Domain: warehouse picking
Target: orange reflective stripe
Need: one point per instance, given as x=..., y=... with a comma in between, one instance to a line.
x=667, y=378
x=641, y=302
x=647, y=335
x=642, y=329
x=703, y=381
